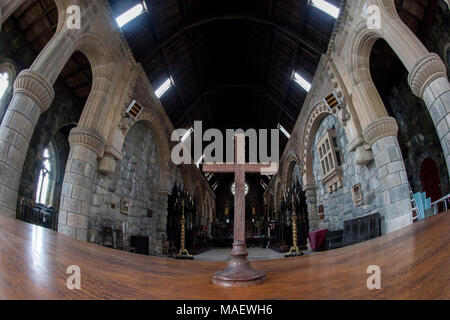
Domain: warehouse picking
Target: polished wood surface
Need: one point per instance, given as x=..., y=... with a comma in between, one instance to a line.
x=414, y=262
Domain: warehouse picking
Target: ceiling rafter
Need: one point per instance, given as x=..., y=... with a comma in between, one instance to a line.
x=168, y=66
x=40, y=17
x=44, y=31
x=260, y=19
x=255, y=87
x=186, y=18
x=25, y=10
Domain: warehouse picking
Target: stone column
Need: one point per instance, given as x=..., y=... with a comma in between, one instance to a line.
x=395, y=207
x=33, y=95
x=313, y=218
x=428, y=80
x=427, y=72
x=86, y=146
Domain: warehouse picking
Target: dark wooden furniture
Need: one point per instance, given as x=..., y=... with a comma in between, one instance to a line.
x=38, y=214
x=414, y=259
x=141, y=244
x=355, y=230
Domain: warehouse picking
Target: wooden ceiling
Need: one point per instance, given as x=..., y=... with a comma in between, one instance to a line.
x=38, y=20
x=231, y=60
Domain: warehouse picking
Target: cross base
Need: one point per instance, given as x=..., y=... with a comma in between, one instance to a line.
x=239, y=273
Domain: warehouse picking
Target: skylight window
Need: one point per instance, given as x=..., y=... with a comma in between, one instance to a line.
x=187, y=134
x=326, y=7
x=163, y=89
x=302, y=82
x=199, y=161
x=130, y=14
x=284, y=131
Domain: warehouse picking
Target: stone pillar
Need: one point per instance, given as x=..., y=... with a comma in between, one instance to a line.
x=160, y=222
x=86, y=146
x=33, y=95
x=428, y=80
x=395, y=207
x=313, y=218
x=427, y=73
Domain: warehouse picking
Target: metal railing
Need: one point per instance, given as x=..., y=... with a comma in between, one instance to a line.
x=444, y=200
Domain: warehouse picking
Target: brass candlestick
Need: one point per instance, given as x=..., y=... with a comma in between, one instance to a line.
x=183, y=253
x=294, y=251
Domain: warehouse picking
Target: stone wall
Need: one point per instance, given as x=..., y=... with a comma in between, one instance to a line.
x=338, y=206
x=137, y=180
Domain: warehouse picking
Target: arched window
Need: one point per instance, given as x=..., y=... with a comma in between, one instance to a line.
x=4, y=84
x=45, y=182
x=7, y=75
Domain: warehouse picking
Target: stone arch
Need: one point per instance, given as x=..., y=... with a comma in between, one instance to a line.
x=93, y=47
x=161, y=142
x=362, y=42
x=291, y=160
x=316, y=115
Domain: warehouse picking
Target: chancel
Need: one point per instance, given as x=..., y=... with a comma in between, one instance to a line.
x=116, y=123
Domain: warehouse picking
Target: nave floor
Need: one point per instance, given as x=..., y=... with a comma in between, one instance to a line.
x=414, y=264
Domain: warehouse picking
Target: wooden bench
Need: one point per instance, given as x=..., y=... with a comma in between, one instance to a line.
x=355, y=230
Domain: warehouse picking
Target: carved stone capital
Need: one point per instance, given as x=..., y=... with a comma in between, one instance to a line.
x=35, y=86
x=89, y=139
x=116, y=154
x=429, y=68
x=310, y=192
x=380, y=128
x=107, y=165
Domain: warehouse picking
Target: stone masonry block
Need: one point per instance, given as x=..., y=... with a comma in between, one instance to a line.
x=77, y=221
x=399, y=208
x=3, y=150
x=396, y=166
x=67, y=189
x=390, y=181
x=395, y=154
x=445, y=98
x=81, y=234
x=15, y=158
x=8, y=197
x=62, y=217
x=397, y=223
x=71, y=205
x=399, y=193
x=10, y=176
x=442, y=128
x=8, y=135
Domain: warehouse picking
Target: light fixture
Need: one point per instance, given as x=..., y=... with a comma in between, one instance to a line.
x=187, y=134
x=284, y=131
x=130, y=14
x=163, y=88
x=302, y=82
x=326, y=7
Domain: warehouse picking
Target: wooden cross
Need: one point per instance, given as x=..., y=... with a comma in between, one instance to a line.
x=239, y=272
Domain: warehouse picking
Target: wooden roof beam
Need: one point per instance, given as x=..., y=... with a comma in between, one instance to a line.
x=259, y=19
